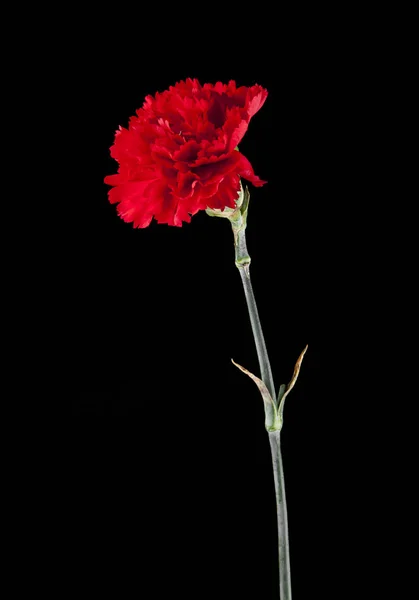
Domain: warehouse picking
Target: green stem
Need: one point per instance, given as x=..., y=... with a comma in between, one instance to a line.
x=281, y=508
x=243, y=263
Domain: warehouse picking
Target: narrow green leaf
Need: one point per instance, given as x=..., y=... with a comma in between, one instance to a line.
x=283, y=392
x=271, y=414
x=262, y=387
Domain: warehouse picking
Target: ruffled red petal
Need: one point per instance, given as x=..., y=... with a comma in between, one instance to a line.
x=245, y=170
x=178, y=154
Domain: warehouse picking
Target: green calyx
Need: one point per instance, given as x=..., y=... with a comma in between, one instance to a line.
x=233, y=214
x=274, y=410
x=238, y=219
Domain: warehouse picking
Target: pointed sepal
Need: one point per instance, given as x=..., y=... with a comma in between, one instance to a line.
x=231, y=213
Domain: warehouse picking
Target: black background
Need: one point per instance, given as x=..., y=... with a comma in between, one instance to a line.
x=169, y=486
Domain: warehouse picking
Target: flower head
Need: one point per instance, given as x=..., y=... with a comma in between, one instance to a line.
x=179, y=154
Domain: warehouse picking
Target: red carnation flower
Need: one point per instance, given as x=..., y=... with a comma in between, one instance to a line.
x=178, y=155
